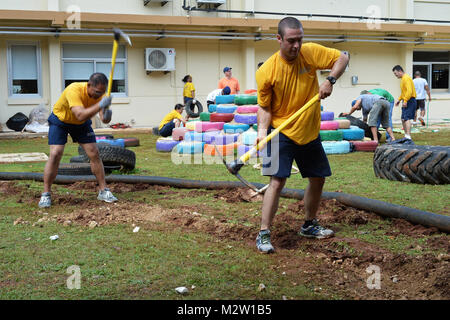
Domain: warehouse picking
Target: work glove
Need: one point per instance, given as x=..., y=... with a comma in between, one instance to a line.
x=105, y=103
x=107, y=115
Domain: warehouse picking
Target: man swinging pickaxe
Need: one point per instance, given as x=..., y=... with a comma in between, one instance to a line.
x=107, y=113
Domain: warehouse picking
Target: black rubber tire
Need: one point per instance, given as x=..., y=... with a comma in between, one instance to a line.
x=74, y=169
x=361, y=124
x=190, y=109
x=79, y=159
x=413, y=163
x=114, y=156
x=81, y=150
x=131, y=142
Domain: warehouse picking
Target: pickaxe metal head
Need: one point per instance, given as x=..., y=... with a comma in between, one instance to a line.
x=120, y=34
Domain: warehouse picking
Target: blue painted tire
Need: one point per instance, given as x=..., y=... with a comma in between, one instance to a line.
x=212, y=108
x=354, y=133
x=249, y=138
x=194, y=136
x=226, y=109
x=165, y=145
x=190, y=147
x=225, y=99
x=113, y=142
x=336, y=147
x=326, y=115
x=235, y=128
x=246, y=118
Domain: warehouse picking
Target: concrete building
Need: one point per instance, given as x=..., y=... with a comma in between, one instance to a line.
x=47, y=44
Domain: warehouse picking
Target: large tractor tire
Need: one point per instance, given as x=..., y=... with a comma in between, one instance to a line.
x=413, y=163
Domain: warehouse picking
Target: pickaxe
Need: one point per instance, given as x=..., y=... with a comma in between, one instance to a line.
x=236, y=165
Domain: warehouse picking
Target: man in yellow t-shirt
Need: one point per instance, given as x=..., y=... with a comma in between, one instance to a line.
x=408, y=96
x=287, y=81
x=71, y=114
x=172, y=120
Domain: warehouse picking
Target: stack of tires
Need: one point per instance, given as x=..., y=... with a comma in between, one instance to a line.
x=356, y=136
x=113, y=153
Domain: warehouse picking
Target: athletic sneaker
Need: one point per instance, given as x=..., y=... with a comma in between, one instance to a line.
x=106, y=195
x=46, y=200
x=316, y=231
x=263, y=242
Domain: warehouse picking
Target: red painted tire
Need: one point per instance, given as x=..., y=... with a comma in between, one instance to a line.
x=208, y=126
x=369, y=146
x=247, y=109
x=221, y=117
x=131, y=142
x=178, y=133
x=329, y=125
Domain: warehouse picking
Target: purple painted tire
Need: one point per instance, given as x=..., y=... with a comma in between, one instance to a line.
x=326, y=115
x=223, y=139
x=165, y=145
x=208, y=137
x=246, y=118
x=242, y=149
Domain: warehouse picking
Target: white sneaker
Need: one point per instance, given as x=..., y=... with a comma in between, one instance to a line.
x=106, y=195
x=46, y=200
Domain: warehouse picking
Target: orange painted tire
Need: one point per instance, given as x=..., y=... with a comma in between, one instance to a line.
x=225, y=150
x=221, y=117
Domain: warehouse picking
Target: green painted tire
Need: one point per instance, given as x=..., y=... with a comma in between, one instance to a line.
x=331, y=135
x=205, y=116
x=245, y=99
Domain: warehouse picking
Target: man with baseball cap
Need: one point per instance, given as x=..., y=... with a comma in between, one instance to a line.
x=229, y=81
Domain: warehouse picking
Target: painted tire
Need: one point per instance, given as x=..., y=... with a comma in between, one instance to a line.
x=190, y=147
x=250, y=91
x=235, y=128
x=249, y=138
x=193, y=136
x=242, y=149
x=245, y=99
x=329, y=125
x=226, y=108
x=224, y=139
x=205, y=116
x=191, y=125
x=326, y=115
x=115, y=142
x=208, y=137
x=104, y=136
x=343, y=123
x=225, y=99
x=208, y=126
x=255, y=127
x=221, y=117
x=246, y=118
x=131, y=142
x=247, y=109
x=353, y=133
x=179, y=133
x=212, y=108
x=225, y=150
x=369, y=146
x=165, y=145
x=336, y=147
x=190, y=109
x=331, y=135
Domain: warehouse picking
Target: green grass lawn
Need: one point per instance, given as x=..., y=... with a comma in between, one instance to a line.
x=116, y=263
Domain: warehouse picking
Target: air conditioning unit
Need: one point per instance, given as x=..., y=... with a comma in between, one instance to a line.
x=159, y=59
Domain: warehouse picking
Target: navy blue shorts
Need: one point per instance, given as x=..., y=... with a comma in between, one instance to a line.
x=166, y=130
x=409, y=112
x=310, y=158
x=58, y=130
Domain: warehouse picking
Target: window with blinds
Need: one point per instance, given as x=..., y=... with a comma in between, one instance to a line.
x=24, y=69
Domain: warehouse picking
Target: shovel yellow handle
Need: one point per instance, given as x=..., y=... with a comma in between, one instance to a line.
x=245, y=157
x=113, y=63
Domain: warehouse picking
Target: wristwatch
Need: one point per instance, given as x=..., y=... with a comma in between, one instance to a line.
x=331, y=79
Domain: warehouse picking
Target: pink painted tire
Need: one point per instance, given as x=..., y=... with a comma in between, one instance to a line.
x=369, y=146
x=221, y=117
x=247, y=109
x=178, y=133
x=208, y=126
x=329, y=125
x=246, y=118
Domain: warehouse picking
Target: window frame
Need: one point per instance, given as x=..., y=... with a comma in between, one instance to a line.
x=430, y=70
x=11, y=93
x=94, y=61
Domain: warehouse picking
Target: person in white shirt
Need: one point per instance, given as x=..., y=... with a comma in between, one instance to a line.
x=421, y=87
x=211, y=98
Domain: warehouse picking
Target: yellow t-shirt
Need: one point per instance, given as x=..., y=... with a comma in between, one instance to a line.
x=174, y=114
x=408, y=88
x=284, y=87
x=188, y=88
x=75, y=95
